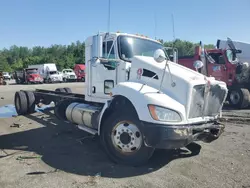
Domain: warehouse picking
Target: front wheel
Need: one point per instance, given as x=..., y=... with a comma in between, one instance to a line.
x=239, y=97
x=123, y=140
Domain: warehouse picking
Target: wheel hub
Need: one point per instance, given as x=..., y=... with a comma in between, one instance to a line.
x=126, y=137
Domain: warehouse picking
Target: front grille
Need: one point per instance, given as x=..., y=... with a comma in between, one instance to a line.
x=214, y=101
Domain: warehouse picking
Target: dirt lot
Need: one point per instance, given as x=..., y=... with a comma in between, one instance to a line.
x=40, y=151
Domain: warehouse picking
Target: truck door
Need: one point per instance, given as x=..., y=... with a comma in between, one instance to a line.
x=104, y=74
x=218, y=69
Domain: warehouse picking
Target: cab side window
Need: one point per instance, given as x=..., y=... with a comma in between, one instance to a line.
x=218, y=58
x=105, y=51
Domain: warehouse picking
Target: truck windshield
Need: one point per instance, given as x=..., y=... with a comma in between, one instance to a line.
x=130, y=46
x=52, y=72
x=31, y=71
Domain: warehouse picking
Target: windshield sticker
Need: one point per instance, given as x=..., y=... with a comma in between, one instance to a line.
x=216, y=68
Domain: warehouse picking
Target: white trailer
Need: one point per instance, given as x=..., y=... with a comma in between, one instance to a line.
x=243, y=56
x=136, y=99
x=49, y=72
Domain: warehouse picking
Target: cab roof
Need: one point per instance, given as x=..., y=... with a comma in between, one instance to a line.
x=132, y=35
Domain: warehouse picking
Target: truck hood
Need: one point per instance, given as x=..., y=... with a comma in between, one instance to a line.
x=70, y=73
x=35, y=75
x=178, y=83
x=55, y=75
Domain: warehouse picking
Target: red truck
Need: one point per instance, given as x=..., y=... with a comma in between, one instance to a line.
x=79, y=70
x=222, y=64
x=28, y=76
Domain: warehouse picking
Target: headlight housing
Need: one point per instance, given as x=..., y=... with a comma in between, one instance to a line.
x=164, y=114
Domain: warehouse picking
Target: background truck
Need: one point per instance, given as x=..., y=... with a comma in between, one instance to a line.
x=223, y=64
x=2, y=81
x=136, y=99
x=69, y=75
x=28, y=76
x=79, y=70
x=6, y=76
x=49, y=72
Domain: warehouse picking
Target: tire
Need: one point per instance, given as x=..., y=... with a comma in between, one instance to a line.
x=31, y=101
x=60, y=109
x=133, y=158
x=83, y=79
x=239, y=97
x=60, y=90
x=64, y=80
x=68, y=90
x=21, y=103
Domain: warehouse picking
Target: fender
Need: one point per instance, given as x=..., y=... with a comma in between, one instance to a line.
x=140, y=95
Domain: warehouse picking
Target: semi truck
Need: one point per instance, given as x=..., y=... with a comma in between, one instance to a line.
x=79, y=70
x=222, y=64
x=69, y=75
x=135, y=99
x=49, y=72
x=28, y=76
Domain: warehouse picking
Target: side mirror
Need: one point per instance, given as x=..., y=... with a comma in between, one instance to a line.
x=175, y=54
x=202, y=50
x=97, y=46
x=198, y=64
x=159, y=56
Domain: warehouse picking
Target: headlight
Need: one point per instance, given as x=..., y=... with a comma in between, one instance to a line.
x=163, y=114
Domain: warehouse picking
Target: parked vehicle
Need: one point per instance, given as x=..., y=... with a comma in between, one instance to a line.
x=69, y=75
x=6, y=76
x=79, y=70
x=222, y=64
x=2, y=81
x=28, y=76
x=49, y=72
x=137, y=102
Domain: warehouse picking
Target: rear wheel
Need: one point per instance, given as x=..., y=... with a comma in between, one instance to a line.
x=60, y=90
x=31, y=101
x=68, y=90
x=239, y=97
x=123, y=140
x=21, y=103
x=60, y=109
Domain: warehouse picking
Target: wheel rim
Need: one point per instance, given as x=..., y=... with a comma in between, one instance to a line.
x=126, y=137
x=235, y=97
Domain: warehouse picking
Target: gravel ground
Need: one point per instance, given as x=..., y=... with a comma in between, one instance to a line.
x=39, y=151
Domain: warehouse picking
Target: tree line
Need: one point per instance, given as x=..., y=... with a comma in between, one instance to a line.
x=65, y=56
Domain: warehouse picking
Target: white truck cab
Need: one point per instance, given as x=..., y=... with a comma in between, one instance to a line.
x=69, y=75
x=6, y=76
x=137, y=100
